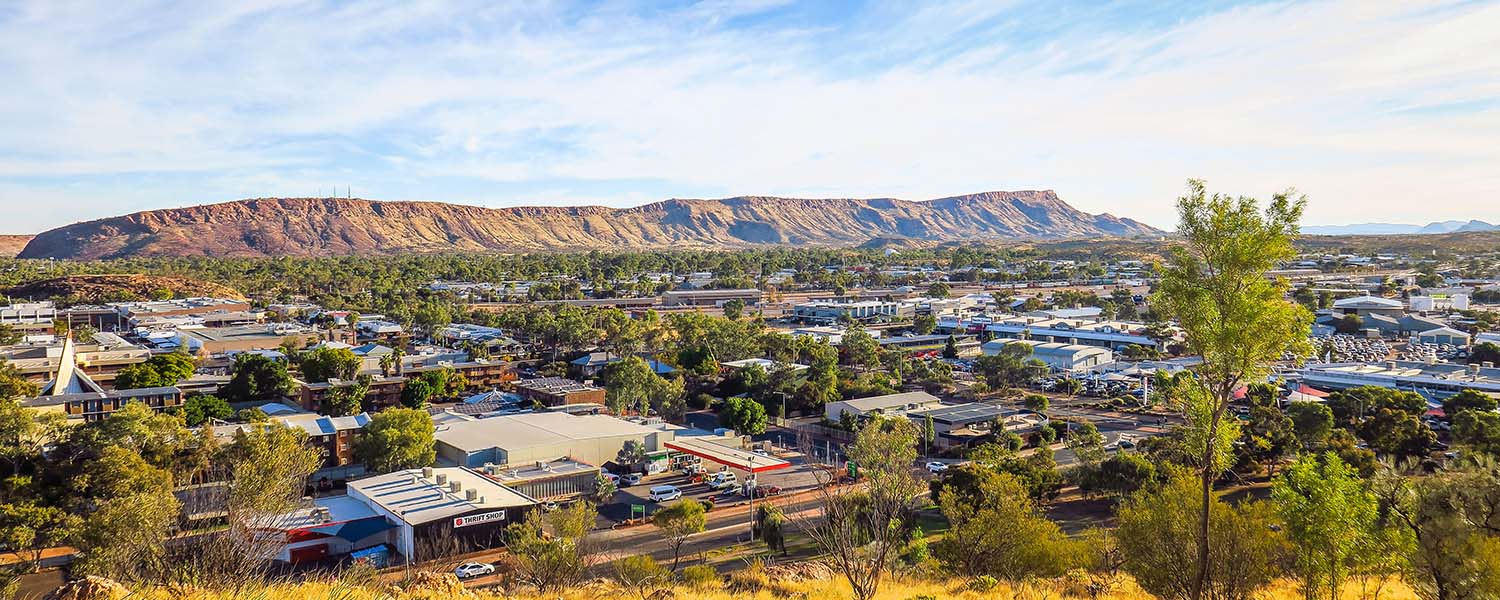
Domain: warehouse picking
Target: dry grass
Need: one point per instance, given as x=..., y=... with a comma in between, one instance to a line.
x=758, y=585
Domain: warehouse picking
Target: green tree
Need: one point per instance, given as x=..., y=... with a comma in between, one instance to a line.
x=1357, y=404
x=1485, y=352
x=678, y=522
x=861, y=349
x=1450, y=542
x=1330, y=518
x=258, y=378
x=631, y=454
x=923, y=324
x=1349, y=324
x=1312, y=422
x=604, y=489
x=28, y=529
x=1086, y=442
x=552, y=550
x=1036, y=403
x=1468, y=399
x=396, y=439
x=939, y=289
x=1233, y=316
x=1478, y=430
x=349, y=399
x=321, y=364
x=950, y=347
x=200, y=408
x=631, y=385
x=999, y=532
x=161, y=370
x=417, y=393
x=744, y=416
x=770, y=525
x=733, y=309
x=26, y=432
x=862, y=529
x=1397, y=433
x=253, y=415
x=13, y=384
x=1009, y=367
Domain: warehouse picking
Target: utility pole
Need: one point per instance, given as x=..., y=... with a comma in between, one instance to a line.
x=752, y=485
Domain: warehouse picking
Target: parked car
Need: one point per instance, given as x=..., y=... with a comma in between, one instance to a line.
x=664, y=493
x=762, y=491
x=473, y=569
x=936, y=467
x=611, y=477
x=630, y=479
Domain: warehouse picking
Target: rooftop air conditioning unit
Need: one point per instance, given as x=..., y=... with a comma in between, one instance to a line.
x=471, y=494
x=455, y=486
x=442, y=479
x=427, y=472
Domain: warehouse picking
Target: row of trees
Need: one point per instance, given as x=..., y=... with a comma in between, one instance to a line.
x=120, y=488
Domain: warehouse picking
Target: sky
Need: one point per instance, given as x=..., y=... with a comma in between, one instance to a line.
x=1376, y=110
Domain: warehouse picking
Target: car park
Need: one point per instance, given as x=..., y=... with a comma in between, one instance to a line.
x=473, y=569
x=664, y=493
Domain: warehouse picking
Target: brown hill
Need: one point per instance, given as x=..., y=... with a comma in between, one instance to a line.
x=11, y=245
x=114, y=288
x=336, y=226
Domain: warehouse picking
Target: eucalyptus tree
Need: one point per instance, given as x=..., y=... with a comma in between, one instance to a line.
x=1233, y=315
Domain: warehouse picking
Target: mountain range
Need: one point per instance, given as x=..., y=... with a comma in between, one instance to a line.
x=341, y=226
x=1401, y=228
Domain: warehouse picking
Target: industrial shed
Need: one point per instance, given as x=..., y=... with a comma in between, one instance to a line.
x=1070, y=358
x=528, y=438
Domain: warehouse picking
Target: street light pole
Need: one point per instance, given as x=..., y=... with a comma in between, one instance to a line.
x=752, y=496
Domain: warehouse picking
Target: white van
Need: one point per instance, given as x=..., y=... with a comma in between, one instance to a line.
x=664, y=493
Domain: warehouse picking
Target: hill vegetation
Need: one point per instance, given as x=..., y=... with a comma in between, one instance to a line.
x=337, y=226
x=119, y=287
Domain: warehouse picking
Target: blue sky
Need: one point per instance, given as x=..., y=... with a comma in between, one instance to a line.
x=1379, y=111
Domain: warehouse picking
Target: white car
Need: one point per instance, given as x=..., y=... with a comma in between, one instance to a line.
x=664, y=493
x=723, y=481
x=630, y=479
x=473, y=569
x=936, y=467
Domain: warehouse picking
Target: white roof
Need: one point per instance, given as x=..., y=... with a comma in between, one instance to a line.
x=416, y=500
x=892, y=400
x=535, y=429
x=765, y=363
x=1367, y=302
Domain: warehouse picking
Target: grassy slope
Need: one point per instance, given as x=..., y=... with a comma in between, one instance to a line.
x=435, y=588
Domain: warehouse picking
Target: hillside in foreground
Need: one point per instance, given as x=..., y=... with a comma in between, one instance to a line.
x=338, y=226
x=761, y=585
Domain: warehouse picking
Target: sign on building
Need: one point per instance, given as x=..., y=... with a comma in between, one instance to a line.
x=478, y=519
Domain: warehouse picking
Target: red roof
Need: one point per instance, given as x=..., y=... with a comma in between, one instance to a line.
x=1311, y=391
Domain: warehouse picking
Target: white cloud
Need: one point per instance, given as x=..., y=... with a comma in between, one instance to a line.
x=1377, y=111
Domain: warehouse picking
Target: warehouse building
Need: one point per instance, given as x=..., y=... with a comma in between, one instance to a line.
x=525, y=439
x=887, y=404
x=1067, y=358
x=420, y=513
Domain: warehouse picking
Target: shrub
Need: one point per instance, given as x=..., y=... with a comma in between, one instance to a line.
x=699, y=577
x=984, y=583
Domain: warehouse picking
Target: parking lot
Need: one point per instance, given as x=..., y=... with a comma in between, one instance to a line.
x=798, y=477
